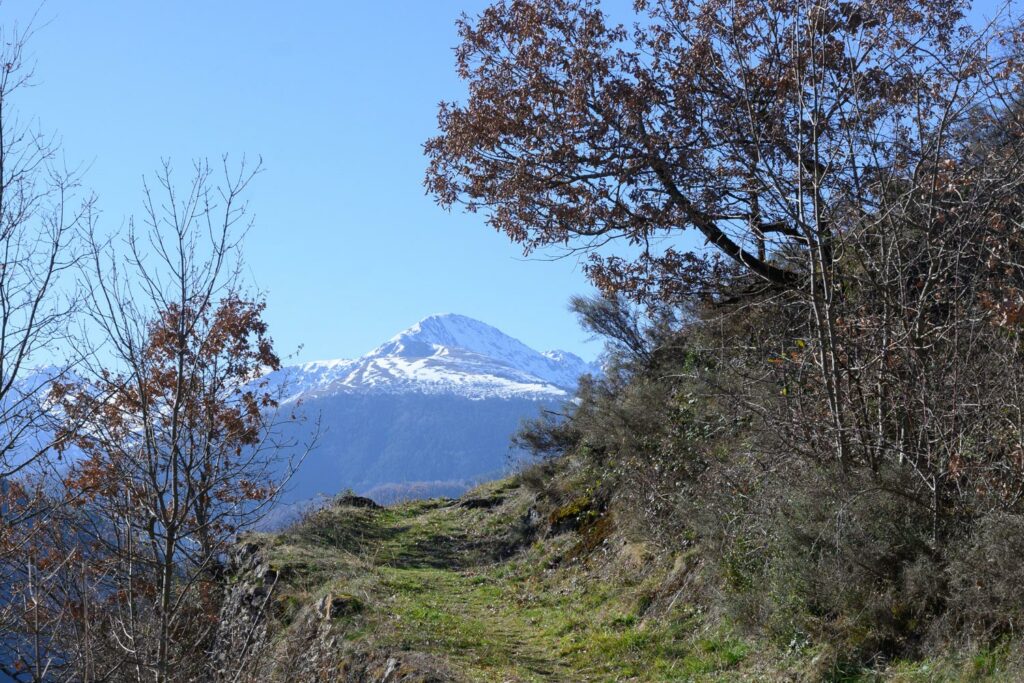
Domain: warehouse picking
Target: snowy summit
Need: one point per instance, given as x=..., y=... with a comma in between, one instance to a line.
x=444, y=354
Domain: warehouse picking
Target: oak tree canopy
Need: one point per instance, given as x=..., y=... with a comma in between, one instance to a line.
x=770, y=127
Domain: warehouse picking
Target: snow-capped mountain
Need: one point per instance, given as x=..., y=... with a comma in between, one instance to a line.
x=427, y=412
x=444, y=354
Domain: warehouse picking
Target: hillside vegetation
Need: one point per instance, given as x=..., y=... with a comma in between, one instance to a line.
x=505, y=585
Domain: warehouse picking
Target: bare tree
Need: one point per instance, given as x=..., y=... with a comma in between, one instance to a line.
x=180, y=444
x=40, y=213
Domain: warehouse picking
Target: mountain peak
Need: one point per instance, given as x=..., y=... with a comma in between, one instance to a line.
x=454, y=331
x=447, y=353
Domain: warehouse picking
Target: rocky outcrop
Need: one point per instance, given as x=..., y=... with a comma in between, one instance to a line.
x=355, y=501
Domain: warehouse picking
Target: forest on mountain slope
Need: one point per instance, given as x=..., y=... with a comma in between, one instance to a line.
x=804, y=458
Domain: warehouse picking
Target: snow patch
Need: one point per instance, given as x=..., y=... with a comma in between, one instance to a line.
x=443, y=354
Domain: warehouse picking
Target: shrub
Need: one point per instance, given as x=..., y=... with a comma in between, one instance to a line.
x=986, y=573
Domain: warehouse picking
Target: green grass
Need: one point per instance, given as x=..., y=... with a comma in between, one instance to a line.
x=439, y=578
x=987, y=665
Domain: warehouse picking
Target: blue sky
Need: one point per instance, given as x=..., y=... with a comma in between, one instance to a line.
x=337, y=98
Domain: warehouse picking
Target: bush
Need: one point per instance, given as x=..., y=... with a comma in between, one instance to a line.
x=803, y=559
x=713, y=434
x=986, y=574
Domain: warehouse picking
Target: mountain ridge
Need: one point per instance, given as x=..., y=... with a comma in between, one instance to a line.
x=442, y=354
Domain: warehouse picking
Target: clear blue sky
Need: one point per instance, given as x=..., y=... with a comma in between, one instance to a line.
x=338, y=98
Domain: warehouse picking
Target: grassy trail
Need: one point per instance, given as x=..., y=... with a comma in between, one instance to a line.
x=451, y=579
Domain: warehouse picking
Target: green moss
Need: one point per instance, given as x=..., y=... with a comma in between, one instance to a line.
x=287, y=607
x=595, y=529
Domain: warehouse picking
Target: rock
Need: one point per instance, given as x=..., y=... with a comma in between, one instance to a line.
x=530, y=520
x=482, y=503
x=355, y=501
x=242, y=626
x=390, y=667
x=572, y=515
x=335, y=606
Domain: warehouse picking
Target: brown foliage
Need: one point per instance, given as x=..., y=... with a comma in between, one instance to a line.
x=177, y=437
x=768, y=127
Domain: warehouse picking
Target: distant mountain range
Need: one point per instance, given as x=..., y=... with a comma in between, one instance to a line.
x=429, y=411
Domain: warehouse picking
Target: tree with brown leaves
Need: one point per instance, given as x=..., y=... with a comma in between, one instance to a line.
x=826, y=152
x=179, y=438
x=767, y=127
